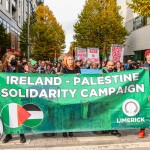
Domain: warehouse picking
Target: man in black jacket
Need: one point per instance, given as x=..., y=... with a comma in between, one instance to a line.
x=110, y=67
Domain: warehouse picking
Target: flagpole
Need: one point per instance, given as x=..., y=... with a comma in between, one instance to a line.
x=55, y=56
x=28, y=32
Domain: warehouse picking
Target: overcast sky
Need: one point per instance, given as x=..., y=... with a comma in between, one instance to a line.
x=66, y=13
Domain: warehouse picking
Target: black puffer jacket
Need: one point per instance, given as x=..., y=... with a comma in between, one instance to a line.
x=65, y=70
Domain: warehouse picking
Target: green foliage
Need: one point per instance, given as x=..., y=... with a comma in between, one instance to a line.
x=46, y=35
x=142, y=7
x=4, y=40
x=23, y=39
x=99, y=25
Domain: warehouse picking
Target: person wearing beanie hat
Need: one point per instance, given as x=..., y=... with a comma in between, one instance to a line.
x=146, y=66
x=147, y=52
x=147, y=63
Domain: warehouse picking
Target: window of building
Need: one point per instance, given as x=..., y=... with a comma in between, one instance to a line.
x=0, y=1
x=26, y=15
x=4, y=24
x=22, y=12
x=139, y=22
x=8, y=5
x=12, y=40
x=16, y=41
x=14, y=3
x=12, y=29
x=8, y=28
x=0, y=20
x=19, y=19
x=19, y=4
x=39, y=1
x=144, y=21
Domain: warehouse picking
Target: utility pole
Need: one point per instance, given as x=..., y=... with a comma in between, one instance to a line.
x=28, y=32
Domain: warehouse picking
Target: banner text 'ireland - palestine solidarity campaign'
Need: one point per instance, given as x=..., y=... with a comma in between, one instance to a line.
x=69, y=87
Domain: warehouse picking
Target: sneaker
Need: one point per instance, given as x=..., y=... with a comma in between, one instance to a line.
x=49, y=134
x=115, y=132
x=105, y=132
x=22, y=139
x=65, y=134
x=70, y=134
x=7, y=138
x=141, y=134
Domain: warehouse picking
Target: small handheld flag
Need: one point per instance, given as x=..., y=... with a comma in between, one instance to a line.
x=55, y=56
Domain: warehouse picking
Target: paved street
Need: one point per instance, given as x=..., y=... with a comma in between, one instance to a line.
x=81, y=141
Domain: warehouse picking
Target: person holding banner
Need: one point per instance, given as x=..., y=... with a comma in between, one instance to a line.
x=1, y=66
x=84, y=65
x=94, y=65
x=129, y=65
x=103, y=65
x=10, y=65
x=145, y=66
x=119, y=66
x=42, y=67
x=58, y=67
x=110, y=67
x=78, y=63
x=69, y=67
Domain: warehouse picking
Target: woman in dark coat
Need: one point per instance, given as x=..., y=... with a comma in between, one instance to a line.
x=10, y=65
x=70, y=68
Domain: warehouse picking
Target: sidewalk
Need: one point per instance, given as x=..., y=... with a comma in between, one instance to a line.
x=81, y=141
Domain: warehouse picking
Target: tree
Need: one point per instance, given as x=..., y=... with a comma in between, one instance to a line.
x=99, y=25
x=4, y=40
x=142, y=7
x=23, y=39
x=46, y=35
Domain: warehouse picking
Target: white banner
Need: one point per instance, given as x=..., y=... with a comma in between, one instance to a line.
x=93, y=55
x=81, y=54
x=117, y=53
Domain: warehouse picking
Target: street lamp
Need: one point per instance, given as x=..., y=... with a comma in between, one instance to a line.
x=28, y=32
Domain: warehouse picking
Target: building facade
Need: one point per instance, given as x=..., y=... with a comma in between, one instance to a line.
x=138, y=28
x=13, y=13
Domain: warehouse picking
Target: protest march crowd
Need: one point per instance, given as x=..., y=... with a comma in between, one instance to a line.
x=9, y=63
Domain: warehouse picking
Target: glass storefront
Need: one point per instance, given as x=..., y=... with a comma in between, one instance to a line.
x=13, y=36
x=139, y=55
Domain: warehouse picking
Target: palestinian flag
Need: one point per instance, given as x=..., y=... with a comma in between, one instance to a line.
x=55, y=56
x=13, y=115
x=36, y=115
